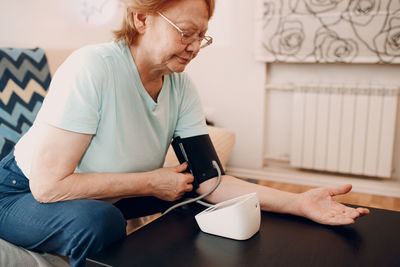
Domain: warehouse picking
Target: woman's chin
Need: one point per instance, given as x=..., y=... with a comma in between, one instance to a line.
x=177, y=67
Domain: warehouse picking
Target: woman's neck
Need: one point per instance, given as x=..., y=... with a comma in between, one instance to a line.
x=151, y=76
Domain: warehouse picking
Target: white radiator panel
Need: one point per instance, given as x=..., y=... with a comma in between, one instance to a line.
x=321, y=136
x=373, y=135
x=346, y=129
x=309, y=129
x=387, y=139
x=359, y=137
x=333, y=132
x=297, y=128
x=346, y=133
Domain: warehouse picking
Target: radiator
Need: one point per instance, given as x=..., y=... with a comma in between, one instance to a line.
x=344, y=129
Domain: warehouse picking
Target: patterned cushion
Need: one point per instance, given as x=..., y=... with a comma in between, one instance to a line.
x=24, y=80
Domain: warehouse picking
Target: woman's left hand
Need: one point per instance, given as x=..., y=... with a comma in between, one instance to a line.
x=318, y=205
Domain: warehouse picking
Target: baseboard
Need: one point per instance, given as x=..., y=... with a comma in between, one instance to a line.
x=383, y=187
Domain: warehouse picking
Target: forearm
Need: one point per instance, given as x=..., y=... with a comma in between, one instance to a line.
x=92, y=185
x=270, y=199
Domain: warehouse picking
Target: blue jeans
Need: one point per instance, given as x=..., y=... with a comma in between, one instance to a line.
x=74, y=228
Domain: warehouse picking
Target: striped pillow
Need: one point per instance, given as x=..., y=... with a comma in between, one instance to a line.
x=24, y=81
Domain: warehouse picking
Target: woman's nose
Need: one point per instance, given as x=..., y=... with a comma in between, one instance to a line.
x=194, y=46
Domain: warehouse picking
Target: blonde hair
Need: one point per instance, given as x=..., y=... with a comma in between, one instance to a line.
x=128, y=32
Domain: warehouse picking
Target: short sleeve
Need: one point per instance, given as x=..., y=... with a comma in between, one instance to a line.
x=74, y=99
x=191, y=120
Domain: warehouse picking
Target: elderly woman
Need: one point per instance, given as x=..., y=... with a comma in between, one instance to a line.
x=93, y=158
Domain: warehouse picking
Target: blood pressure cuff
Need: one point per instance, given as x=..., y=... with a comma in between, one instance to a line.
x=199, y=152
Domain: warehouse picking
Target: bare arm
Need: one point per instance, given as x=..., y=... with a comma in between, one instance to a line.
x=230, y=187
x=52, y=176
x=316, y=204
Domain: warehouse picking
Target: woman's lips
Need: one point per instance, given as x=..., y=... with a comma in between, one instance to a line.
x=182, y=60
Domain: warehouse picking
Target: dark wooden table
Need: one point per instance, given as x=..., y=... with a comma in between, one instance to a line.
x=283, y=240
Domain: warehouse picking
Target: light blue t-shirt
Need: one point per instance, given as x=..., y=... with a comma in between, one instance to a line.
x=98, y=91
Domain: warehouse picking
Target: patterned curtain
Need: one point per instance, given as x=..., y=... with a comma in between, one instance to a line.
x=328, y=31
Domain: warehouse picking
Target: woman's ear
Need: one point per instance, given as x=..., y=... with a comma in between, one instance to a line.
x=139, y=21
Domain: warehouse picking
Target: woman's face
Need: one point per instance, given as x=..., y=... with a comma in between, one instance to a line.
x=162, y=41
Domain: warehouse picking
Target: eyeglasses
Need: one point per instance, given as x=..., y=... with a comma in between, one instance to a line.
x=189, y=37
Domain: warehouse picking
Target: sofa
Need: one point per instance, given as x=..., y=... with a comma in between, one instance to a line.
x=25, y=76
x=24, y=81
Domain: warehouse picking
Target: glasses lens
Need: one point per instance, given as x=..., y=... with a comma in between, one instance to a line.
x=188, y=39
x=206, y=41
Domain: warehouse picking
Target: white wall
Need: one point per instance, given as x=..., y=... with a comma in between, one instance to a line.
x=60, y=24
x=231, y=82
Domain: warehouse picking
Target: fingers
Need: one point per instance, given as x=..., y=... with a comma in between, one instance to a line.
x=353, y=212
x=185, y=184
x=179, y=191
x=340, y=189
x=347, y=212
x=189, y=178
x=173, y=182
x=342, y=221
x=181, y=168
x=363, y=211
x=339, y=218
x=189, y=187
x=345, y=215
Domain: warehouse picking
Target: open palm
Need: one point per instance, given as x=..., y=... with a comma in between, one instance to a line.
x=318, y=205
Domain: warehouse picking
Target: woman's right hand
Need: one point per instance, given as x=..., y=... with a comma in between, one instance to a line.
x=171, y=183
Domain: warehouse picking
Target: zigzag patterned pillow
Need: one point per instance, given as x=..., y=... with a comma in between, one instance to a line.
x=24, y=80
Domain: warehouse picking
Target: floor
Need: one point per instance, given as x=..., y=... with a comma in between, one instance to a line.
x=374, y=201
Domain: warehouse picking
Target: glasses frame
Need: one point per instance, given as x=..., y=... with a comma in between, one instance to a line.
x=208, y=39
